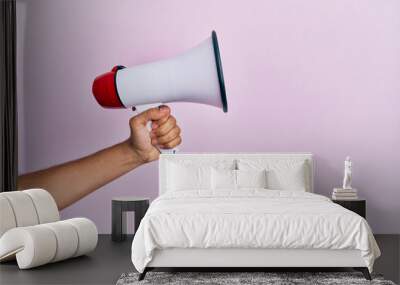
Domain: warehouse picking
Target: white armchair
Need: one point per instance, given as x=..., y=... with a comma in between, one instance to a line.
x=31, y=230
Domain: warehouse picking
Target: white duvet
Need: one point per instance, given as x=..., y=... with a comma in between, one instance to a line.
x=250, y=218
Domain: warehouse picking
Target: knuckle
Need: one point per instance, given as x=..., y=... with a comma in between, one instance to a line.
x=133, y=121
x=157, y=131
x=151, y=111
x=164, y=129
x=162, y=140
x=166, y=138
x=173, y=133
x=174, y=142
x=169, y=144
x=172, y=120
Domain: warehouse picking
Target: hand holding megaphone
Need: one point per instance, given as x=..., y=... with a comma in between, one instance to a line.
x=195, y=76
x=153, y=131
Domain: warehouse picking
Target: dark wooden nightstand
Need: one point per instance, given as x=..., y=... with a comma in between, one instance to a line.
x=358, y=206
x=120, y=205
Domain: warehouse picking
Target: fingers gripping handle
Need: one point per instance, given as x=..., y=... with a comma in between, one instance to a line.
x=161, y=150
x=139, y=109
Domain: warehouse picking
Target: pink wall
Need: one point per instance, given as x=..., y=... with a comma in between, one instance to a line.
x=318, y=76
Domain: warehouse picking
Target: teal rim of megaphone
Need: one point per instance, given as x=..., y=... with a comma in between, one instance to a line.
x=219, y=71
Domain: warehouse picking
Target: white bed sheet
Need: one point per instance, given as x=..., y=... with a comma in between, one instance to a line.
x=250, y=218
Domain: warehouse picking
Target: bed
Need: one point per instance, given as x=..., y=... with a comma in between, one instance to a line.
x=247, y=211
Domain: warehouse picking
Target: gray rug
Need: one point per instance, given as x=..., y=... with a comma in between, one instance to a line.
x=269, y=278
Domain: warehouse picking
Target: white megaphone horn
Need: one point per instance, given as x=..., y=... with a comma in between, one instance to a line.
x=195, y=76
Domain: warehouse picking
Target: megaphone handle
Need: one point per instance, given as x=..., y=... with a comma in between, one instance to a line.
x=138, y=110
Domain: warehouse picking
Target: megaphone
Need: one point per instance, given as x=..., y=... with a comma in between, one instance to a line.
x=195, y=76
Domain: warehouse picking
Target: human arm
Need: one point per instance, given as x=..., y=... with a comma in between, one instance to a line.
x=71, y=181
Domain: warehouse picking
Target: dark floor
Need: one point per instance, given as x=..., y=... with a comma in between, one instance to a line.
x=110, y=259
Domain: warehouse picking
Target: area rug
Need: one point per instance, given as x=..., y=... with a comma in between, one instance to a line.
x=269, y=278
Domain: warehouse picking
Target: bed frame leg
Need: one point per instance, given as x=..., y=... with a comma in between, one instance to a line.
x=142, y=275
x=364, y=271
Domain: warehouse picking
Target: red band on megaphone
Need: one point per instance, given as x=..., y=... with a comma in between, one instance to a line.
x=105, y=91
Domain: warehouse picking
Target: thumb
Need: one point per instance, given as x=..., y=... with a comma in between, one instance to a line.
x=153, y=114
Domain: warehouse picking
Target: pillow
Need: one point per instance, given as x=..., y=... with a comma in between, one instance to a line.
x=251, y=178
x=282, y=174
x=223, y=179
x=290, y=179
x=184, y=177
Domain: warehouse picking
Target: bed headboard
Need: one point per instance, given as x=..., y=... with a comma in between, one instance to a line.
x=213, y=158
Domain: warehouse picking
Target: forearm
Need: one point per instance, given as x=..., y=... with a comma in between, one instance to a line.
x=73, y=180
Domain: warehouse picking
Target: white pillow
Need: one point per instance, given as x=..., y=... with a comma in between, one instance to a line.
x=251, y=178
x=281, y=174
x=185, y=177
x=223, y=179
x=290, y=179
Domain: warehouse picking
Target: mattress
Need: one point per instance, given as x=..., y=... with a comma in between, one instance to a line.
x=251, y=219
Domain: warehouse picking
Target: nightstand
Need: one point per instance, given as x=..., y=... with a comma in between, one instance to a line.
x=120, y=205
x=358, y=206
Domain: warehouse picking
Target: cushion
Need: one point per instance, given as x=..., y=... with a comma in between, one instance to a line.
x=23, y=208
x=223, y=179
x=87, y=233
x=188, y=177
x=251, y=178
x=45, y=205
x=7, y=218
x=287, y=174
x=26, y=208
x=67, y=237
